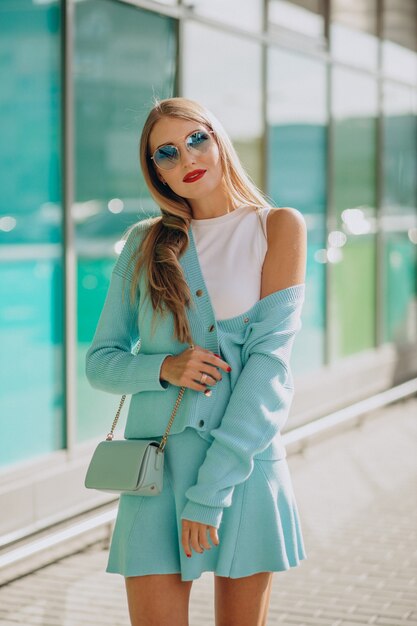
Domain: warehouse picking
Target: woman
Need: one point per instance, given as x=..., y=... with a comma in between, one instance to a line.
x=213, y=291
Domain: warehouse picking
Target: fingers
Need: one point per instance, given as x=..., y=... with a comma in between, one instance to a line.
x=214, y=536
x=194, y=362
x=216, y=361
x=208, y=363
x=194, y=537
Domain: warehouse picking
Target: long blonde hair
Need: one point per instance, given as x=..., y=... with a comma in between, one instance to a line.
x=167, y=238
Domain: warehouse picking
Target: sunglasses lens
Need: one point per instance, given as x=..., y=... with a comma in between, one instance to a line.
x=166, y=157
x=199, y=141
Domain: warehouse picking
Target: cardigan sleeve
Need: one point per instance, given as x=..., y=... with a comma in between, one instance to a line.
x=257, y=409
x=110, y=365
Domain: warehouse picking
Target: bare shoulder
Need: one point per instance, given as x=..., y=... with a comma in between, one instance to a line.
x=284, y=221
x=286, y=257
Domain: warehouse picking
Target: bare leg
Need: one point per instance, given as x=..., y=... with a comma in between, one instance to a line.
x=158, y=600
x=242, y=601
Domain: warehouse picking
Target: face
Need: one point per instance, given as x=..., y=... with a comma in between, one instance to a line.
x=175, y=131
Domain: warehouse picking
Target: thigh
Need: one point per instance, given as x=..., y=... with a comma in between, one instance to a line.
x=242, y=601
x=158, y=599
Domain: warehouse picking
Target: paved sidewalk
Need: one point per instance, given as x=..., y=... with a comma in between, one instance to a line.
x=357, y=496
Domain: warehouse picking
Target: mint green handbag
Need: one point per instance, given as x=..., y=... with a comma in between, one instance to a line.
x=132, y=466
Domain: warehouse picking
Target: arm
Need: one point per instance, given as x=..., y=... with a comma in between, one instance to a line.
x=110, y=364
x=260, y=401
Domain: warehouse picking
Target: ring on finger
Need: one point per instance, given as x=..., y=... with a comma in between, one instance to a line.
x=203, y=378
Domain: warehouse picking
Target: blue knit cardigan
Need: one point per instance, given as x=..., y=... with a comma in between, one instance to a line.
x=244, y=416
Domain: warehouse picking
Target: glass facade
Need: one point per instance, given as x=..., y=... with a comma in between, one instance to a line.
x=31, y=232
x=352, y=288
x=353, y=32
x=226, y=91
x=296, y=176
x=115, y=79
x=320, y=101
x=399, y=220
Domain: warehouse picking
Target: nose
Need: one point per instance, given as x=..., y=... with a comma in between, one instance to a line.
x=186, y=156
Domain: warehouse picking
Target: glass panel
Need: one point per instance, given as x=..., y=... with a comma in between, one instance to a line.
x=399, y=178
x=353, y=280
x=297, y=132
x=233, y=64
x=115, y=81
x=353, y=32
x=31, y=356
x=302, y=16
x=247, y=15
x=399, y=208
x=399, y=33
x=400, y=287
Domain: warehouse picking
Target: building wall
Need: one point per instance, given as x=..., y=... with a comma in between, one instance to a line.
x=320, y=101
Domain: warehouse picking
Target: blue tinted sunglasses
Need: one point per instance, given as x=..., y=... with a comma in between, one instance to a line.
x=166, y=157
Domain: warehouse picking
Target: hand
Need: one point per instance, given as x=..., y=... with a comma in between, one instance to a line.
x=185, y=369
x=194, y=535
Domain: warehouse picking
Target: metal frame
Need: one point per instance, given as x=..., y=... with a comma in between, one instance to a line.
x=70, y=293
x=379, y=235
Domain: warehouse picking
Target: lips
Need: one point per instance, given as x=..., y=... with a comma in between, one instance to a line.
x=194, y=175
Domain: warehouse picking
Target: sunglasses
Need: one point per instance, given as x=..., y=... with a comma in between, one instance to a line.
x=168, y=156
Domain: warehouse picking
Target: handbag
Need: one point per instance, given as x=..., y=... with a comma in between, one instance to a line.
x=131, y=466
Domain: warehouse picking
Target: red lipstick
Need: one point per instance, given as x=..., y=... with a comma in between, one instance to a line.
x=193, y=176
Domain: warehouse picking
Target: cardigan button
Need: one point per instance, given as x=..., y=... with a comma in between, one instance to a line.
x=201, y=423
x=199, y=292
x=211, y=328
x=246, y=320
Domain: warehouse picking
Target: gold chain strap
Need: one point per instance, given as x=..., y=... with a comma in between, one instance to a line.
x=163, y=441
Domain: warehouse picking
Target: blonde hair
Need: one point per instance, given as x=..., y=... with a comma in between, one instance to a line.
x=167, y=238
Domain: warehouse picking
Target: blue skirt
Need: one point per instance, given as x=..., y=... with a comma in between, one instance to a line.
x=259, y=532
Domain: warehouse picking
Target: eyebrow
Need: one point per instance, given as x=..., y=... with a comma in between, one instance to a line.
x=171, y=142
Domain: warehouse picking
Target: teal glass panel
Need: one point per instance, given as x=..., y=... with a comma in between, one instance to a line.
x=296, y=174
x=352, y=257
x=31, y=287
x=399, y=180
x=400, y=288
x=399, y=213
x=115, y=79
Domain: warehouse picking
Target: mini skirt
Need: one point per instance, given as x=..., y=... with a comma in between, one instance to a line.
x=259, y=532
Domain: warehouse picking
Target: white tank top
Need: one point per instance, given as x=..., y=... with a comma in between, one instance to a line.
x=231, y=249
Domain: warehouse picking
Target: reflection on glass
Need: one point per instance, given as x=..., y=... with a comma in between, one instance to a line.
x=31, y=355
x=115, y=80
x=399, y=208
x=353, y=280
x=399, y=289
x=302, y=16
x=353, y=32
x=399, y=34
x=297, y=130
x=400, y=149
x=231, y=88
x=247, y=15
